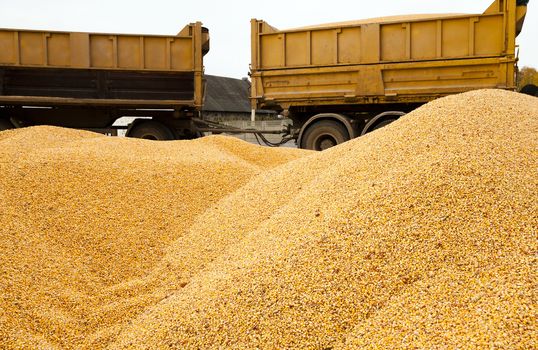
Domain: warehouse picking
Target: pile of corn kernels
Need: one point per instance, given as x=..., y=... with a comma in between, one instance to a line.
x=423, y=234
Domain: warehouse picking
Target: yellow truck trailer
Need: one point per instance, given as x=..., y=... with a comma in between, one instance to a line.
x=89, y=80
x=338, y=81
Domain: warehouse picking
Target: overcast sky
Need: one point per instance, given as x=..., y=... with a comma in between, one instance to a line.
x=229, y=21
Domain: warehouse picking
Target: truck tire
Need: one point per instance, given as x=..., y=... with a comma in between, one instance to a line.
x=530, y=89
x=382, y=124
x=323, y=135
x=5, y=124
x=151, y=130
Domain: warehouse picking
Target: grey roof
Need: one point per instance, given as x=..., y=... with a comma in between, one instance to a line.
x=226, y=95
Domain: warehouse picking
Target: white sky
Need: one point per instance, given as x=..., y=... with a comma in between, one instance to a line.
x=229, y=21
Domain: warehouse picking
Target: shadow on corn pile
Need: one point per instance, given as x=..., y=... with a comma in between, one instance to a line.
x=421, y=234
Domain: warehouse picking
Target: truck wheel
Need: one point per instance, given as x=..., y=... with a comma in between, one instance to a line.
x=5, y=125
x=151, y=130
x=530, y=89
x=382, y=124
x=323, y=135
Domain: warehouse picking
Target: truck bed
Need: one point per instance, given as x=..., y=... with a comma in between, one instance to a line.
x=69, y=68
x=410, y=59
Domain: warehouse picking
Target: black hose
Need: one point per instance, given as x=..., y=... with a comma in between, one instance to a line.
x=522, y=2
x=269, y=143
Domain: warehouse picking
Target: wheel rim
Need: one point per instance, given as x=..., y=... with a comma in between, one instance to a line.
x=324, y=142
x=149, y=137
x=324, y=134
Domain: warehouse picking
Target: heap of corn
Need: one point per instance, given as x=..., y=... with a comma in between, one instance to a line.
x=85, y=218
x=422, y=234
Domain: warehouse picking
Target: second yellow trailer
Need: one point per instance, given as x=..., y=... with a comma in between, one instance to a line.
x=339, y=81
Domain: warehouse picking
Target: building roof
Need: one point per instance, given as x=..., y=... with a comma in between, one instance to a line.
x=226, y=95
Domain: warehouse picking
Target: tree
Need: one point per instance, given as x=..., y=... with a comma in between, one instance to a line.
x=527, y=76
